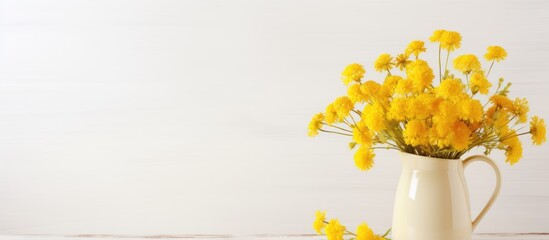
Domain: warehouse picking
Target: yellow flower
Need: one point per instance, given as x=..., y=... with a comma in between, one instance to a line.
x=502, y=101
x=363, y=232
x=520, y=109
x=370, y=90
x=461, y=136
x=442, y=121
x=440, y=133
x=384, y=63
x=319, y=224
x=490, y=114
x=467, y=63
x=538, y=131
x=364, y=158
x=389, y=85
x=315, y=124
x=404, y=86
x=362, y=135
x=447, y=109
x=479, y=83
x=415, y=133
x=374, y=116
x=355, y=94
x=402, y=61
x=449, y=88
x=398, y=109
x=499, y=120
x=446, y=132
x=437, y=35
x=422, y=106
x=334, y=230
x=496, y=53
x=513, y=147
x=471, y=110
x=331, y=114
x=343, y=106
x=450, y=40
x=353, y=72
x=420, y=73
x=415, y=47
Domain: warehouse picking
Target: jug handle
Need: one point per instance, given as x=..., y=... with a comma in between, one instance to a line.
x=495, y=194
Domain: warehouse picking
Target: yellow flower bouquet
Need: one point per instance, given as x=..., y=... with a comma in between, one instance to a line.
x=409, y=112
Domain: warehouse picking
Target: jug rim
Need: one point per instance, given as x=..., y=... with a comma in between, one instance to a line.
x=421, y=156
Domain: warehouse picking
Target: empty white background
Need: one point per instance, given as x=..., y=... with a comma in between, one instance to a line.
x=151, y=117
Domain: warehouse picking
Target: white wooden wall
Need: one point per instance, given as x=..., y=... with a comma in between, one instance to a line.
x=150, y=117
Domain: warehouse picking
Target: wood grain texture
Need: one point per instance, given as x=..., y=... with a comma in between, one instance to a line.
x=160, y=117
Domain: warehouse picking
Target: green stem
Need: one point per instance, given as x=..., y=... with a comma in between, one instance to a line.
x=347, y=123
x=353, y=119
x=520, y=134
x=490, y=69
x=439, y=64
x=384, y=148
x=340, y=128
x=328, y=131
x=497, y=139
x=392, y=144
x=446, y=65
x=387, y=233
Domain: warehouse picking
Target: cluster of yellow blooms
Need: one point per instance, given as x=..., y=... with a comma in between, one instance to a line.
x=335, y=231
x=407, y=112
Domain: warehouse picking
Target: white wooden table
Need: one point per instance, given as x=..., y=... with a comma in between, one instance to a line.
x=486, y=236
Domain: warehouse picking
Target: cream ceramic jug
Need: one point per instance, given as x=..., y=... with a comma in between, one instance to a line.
x=432, y=199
